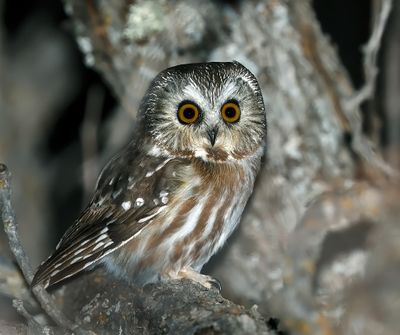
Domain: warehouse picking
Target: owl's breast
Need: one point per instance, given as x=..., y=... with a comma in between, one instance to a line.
x=201, y=211
x=207, y=212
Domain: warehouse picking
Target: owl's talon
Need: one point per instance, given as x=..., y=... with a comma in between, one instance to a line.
x=215, y=283
x=204, y=280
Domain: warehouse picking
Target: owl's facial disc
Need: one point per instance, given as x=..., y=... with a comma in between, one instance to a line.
x=213, y=111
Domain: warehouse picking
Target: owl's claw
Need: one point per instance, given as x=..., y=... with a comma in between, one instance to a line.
x=204, y=280
x=215, y=283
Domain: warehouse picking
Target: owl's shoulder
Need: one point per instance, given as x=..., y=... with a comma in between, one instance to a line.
x=135, y=175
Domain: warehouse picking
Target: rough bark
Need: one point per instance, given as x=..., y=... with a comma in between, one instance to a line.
x=108, y=306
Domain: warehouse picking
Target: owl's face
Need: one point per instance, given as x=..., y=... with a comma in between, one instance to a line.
x=213, y=111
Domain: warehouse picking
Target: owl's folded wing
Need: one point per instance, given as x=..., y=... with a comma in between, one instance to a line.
x=116, y=215
x=91, y=243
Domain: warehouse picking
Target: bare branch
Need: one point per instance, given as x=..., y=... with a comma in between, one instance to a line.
x=33, y=325
x=371, y=50
x=10, y=224
x=10, y=227
x=111, y=306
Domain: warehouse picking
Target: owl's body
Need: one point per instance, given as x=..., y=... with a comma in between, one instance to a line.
x=171, y=198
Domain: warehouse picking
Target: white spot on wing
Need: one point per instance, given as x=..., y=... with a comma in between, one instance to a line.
x=163, y=194
x=126, y=205
x=147, y=218
x=83, y=243
x=101, y=237
x=76, y=260
x=87, y=256
x=164, y=200
x=79, y=251
x=54, y=273
x=139, y=202
x=98, y=245
x=131, y=183
x=116, y=193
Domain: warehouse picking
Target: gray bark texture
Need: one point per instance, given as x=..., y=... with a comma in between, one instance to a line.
x=317, y=247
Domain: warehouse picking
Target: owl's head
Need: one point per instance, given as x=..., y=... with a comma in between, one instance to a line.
x=214, y=111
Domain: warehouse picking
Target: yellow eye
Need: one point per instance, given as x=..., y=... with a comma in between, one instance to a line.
x=188, y=113
x=230, y=112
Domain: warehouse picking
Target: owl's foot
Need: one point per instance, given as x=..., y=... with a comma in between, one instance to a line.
x=204, y=280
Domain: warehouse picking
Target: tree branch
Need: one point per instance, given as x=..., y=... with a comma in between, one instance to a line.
x=371, y=50
x=10, y=228
x=108, y=306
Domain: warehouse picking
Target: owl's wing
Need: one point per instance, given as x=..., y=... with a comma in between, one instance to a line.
x=128, y=195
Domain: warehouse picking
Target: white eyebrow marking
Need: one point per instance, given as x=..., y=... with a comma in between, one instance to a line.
x=193, y=92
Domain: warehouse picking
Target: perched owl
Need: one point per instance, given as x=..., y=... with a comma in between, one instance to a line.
x=165, y=204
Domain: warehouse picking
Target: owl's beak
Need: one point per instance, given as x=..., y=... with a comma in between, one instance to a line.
x=212, y=135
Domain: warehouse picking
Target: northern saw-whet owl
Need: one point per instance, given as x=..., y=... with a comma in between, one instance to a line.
x=165, y=204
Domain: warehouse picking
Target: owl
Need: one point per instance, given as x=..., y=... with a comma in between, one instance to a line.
x=171, y=198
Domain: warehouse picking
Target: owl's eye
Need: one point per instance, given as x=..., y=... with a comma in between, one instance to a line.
x=188, y=113
x=230, y=112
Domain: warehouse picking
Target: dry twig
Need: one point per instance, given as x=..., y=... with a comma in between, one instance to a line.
x=10, y=227
x=371, y=50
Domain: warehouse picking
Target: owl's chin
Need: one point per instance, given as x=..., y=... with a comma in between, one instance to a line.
x=212, y=154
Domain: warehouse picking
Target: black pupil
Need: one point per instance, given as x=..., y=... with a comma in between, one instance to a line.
x=189, y=113
x=230, y=112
